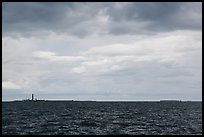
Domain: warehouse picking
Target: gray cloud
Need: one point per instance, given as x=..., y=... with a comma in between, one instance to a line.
x=81, y=19
x=164, y=16
x=144, y=11
x=27, y=18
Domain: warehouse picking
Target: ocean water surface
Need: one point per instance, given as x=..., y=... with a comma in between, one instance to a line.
x=101, y=118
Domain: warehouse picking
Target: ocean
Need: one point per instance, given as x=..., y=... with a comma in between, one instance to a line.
x=101, y=118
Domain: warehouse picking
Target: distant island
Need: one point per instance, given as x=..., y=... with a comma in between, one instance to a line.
x=30, y=100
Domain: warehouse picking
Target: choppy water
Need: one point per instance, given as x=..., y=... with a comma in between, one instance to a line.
x=101, y=118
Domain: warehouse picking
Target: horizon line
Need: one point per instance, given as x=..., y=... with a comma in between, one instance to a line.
x=109, y=100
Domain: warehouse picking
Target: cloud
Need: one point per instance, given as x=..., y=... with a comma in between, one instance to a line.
x=102, y=66
x=167, y=49
x=117, y=49
x=10, y=85
x=22, y=19
x=53, y=57
x=152, y=17
x=84, y=19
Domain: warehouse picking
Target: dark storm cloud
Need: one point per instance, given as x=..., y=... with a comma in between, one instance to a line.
x=164, y=16
x=27, y=18
x=80, y=19
x=144, y=11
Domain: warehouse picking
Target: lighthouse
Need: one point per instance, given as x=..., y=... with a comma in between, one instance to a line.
x=32, y=96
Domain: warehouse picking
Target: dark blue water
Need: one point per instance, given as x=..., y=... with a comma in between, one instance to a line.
x=101, y=118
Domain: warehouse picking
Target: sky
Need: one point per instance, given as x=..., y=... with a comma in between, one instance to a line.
x=129, y=51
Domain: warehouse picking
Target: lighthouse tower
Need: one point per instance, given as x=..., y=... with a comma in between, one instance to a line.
x=32, y=96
